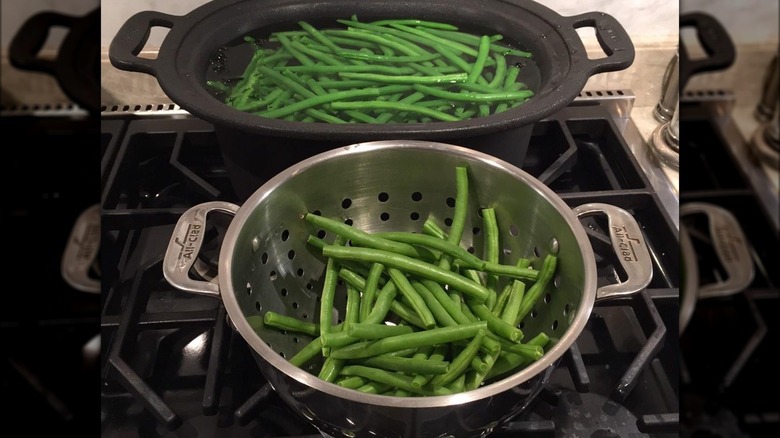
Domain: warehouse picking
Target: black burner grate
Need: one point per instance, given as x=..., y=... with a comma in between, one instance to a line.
x=174, y=364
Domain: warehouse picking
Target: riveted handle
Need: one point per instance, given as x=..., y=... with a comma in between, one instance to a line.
x=730, y=246
x=184, y=247
x=629, y=245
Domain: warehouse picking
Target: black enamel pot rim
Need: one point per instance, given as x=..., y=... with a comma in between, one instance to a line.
x=180, y=65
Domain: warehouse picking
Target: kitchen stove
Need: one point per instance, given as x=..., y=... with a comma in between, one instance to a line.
x=49, y=363
x=172, y=365
x=728, y=346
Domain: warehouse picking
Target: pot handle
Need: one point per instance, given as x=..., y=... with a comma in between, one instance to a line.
x=612, y=38
x=715, y=41
x=131, y=38
x=81, y=251
x=731, y=248
x=630, y=246
x=184, y=246
x=29, y=40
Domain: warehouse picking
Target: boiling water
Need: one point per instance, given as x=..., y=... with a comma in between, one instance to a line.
x=228, y=64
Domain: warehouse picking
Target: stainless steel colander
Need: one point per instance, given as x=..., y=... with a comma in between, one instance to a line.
x=265, y=264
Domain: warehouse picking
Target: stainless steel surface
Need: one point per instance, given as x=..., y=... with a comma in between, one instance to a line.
x=81, y=250
x=730, y=246
x=670, y=91
x=769, y=96
x=690, y=284
x=629, y=244
x=265, y=264
x=184, y=247
x=665, y=141
x=764, y=145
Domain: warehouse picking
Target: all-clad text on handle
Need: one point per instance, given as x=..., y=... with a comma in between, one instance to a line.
x=731, y=248
x=630, y=246
x=185, y=244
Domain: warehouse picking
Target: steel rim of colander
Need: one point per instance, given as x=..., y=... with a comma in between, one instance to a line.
x=550, y=358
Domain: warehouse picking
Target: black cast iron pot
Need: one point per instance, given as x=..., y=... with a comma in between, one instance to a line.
x=77, y=65
x=257, y=148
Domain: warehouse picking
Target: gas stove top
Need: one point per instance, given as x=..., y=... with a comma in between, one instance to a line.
x=172, y=366
x=718, y=390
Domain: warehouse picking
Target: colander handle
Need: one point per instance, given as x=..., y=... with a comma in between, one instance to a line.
x=731, y=248
x=184, y=246
x=630, y=246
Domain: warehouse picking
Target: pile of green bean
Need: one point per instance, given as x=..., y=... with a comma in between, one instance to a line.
x=389, y=71
x=423, y=316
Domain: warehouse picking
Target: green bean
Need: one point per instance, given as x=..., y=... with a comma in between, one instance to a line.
x=361, y=237
x=319, y=100
x=423, y=23
x=474, y=379
x=500, y=71
x=300, y=57
x=432, y=229
x=406, y=79
x=376, y=331
x=353, y=306
x=381, y=376
x=433, y=336
x=325, y=69
x=435, y=243
x=307, y=353
x=473, y=97
x=415, y=300
x=319, y=36
x=384, y=300
x=407, y=314
x=479, y=63
x=511, y=362
x=283, y=322
x=374, y=388
x=369, y=290
x=377, y=39
x=496, y=325
x=432, y=40
x=512, y=271
x=412, y=98
x=353, y=54
x=353, y=382
x=478, y=365
x=436, y=354
x=337, y=339
x=511, y=76
x=444, y=300
x=503, y=296
x=394, y=106
x=401, y=393
x=461, y=205
x=406, y=365
x=330, y=369
x=516, y=293
x=491, y=242
x=328, y=294
x=280, y=100
x=316, y=54
x=413, y=266
x=537, y=289
x=258, y=104
x=461, y=362
x=458, y=385
x=439, y=312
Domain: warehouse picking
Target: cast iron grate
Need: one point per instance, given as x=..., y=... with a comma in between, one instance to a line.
x=172, y=358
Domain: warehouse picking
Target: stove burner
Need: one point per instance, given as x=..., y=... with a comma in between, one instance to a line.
x=173, y=362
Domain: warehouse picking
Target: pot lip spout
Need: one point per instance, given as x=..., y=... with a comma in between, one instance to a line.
x=579, y=316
